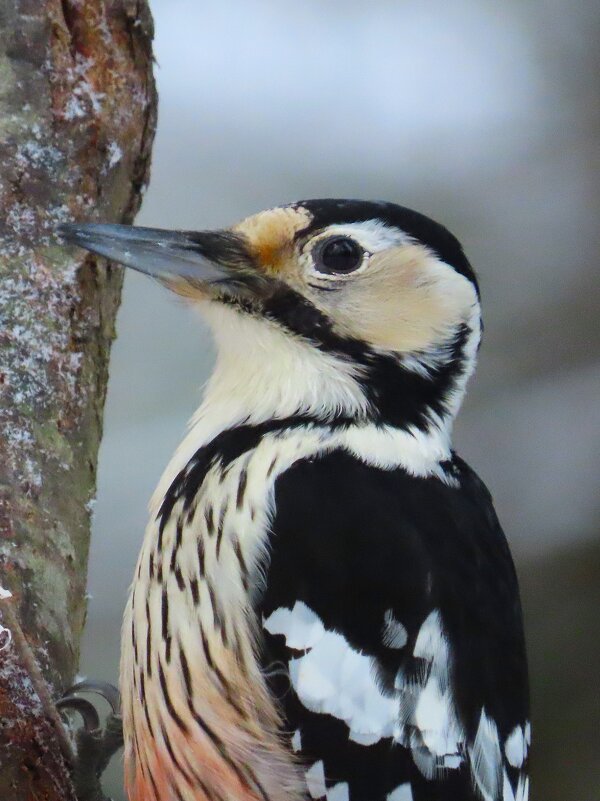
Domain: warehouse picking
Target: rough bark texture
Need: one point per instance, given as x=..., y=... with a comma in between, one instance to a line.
x=77, y=118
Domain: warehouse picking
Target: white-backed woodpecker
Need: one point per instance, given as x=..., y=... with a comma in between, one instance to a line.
x=324, y=605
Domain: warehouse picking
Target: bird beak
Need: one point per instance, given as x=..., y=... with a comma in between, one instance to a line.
x=183, y=260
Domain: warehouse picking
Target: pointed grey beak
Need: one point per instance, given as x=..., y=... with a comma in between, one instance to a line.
x=202, y=258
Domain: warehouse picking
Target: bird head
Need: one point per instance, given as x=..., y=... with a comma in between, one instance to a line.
x=368, y=309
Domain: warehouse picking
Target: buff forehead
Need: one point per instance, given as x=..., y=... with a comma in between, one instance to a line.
x=270, y=234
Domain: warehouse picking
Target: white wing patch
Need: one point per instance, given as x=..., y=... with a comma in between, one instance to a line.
x=332, y=677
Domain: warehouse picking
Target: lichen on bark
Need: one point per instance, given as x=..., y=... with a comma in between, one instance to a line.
x=77, y=119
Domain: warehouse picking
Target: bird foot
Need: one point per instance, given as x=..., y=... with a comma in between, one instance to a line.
x=95, y=744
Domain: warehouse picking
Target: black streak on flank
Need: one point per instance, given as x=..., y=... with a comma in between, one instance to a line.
x=200, y=549
x=179, y=534
x=134, y=641
x=181, y=724
x=221, y=748
x=153, y=783
x=209, y=517
x=220, y=529
x=206, y=649
x=241, y=491
x=164, y=611
x=148, y=722
x=176, y=762
x=187, y=676
x=195, y=589
x=242, y=563
x=176, y=791
x=218, y=620
x=148, y=641
x=179, y=578
x=173, y=565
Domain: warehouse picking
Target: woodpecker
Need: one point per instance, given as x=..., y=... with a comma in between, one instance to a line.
x=325, y=605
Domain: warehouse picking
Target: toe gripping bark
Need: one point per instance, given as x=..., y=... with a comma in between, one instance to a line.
x=95, y=742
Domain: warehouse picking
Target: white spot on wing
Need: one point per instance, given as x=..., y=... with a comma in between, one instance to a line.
x=339, y=792
x=296, y=741
x=428, y=704
x=522, y=793
x=401, y=793
x=515, y=747
x=315, y=780
x=332, y=677
x=394, y=633
x=523, y=789
x=486, y=759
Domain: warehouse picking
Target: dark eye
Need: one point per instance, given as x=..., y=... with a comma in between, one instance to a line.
x=338, y=254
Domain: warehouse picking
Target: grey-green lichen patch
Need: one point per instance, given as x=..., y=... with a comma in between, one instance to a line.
x=56, y=608
x=40, y=362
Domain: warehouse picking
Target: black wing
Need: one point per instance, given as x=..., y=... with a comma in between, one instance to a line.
x=393, y=635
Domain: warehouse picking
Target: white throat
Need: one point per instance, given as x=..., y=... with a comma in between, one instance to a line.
x=263, y=373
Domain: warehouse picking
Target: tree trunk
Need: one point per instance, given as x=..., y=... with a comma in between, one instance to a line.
x=77, y=119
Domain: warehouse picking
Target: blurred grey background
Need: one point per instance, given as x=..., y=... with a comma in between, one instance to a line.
x=484, y=116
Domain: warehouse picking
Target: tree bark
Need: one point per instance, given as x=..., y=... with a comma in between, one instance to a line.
x=77, y=119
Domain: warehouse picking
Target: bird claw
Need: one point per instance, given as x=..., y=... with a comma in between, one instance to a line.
x=95, y=744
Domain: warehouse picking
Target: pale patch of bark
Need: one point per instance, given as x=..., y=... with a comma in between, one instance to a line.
x=77, y=119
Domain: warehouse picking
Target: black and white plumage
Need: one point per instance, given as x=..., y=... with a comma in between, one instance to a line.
x=325, y=605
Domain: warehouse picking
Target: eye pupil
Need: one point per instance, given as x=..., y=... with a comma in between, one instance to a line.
x=338, y=254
